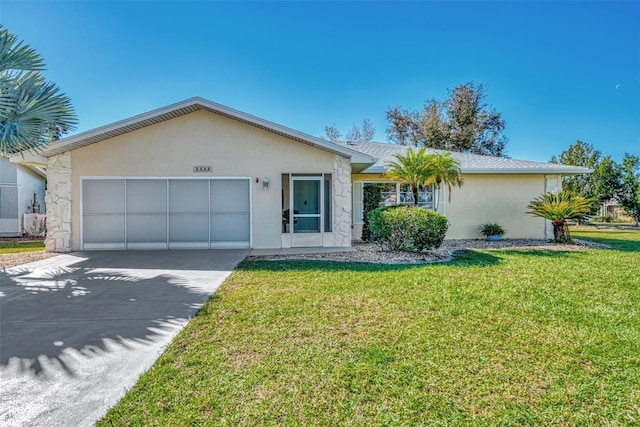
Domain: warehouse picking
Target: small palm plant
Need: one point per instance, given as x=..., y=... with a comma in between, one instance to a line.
x=491, y=229
x=558, y=208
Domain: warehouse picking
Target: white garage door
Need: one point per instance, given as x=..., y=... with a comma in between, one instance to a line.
x=165, y=213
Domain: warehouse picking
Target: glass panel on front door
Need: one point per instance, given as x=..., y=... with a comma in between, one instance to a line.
x=306, y=206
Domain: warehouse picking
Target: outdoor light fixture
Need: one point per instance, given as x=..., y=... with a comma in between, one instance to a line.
x=265, y=183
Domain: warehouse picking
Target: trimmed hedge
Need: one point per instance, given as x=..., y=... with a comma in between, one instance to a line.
x=407, y=228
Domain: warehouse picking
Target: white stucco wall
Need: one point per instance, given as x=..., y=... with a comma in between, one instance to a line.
x=29, y=182
x=233, y=149
x=487, y=198
x=502, y=199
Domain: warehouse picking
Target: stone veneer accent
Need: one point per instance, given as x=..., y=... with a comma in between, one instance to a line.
x=58, y=202
x=341, y=201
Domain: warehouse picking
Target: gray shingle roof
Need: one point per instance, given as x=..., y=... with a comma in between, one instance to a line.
x=469, y=163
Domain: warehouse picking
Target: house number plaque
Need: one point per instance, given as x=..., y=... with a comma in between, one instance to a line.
x=202, y=168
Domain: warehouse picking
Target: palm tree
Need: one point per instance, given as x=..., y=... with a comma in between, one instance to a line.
x=32, y=110
x=443, y=168
x=411, y=169
x=558, y=208
x=418, y=168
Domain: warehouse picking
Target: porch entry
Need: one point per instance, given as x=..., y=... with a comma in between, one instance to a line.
x=310, y=218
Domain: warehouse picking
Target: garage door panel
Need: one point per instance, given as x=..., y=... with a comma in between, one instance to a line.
x=189, y=228
x=146, y=228
x=188, y=196
x=103, y=213
x=146, y=213
x=230, y=196
x=230, y=228
x=145, y=196
x=104, y=229
x=103, y=196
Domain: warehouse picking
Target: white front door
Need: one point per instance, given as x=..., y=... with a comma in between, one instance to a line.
x=307, y=197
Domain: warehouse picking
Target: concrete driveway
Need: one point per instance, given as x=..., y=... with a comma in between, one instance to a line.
x=77, y=330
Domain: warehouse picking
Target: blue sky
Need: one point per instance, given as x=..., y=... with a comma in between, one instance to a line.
x=557, y=71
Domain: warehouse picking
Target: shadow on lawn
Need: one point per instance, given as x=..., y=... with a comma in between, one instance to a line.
x=616, y=244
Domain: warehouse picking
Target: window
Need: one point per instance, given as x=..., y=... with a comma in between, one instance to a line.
x=8, y=202
x=392, y=194
x=400, y=194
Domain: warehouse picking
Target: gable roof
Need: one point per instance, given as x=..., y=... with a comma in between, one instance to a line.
x=359, y=160
x=469, y=163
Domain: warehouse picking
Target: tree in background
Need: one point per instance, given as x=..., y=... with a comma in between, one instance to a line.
x=558, y=208
x=579, y=154
x=404, y=127
x=463, y=123
x=600, y=186
x=629, y=193
x=473, y=127
x=607, y=181
x=331, y=133
x=33, y=112
x=362, y=133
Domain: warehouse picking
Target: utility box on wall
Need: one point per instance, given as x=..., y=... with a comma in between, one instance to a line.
x=33, y=224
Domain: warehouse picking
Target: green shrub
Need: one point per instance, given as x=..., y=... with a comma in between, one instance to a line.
x=491, y=229
x=378, y=228
x=371, y=197
x=407, y=228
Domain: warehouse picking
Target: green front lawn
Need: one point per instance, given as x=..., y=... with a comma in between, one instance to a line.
x=495, y=338
x=9, y=247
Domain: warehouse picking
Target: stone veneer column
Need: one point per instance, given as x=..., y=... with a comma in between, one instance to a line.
x=58, y=203
x=342, y=201
x=552, y=183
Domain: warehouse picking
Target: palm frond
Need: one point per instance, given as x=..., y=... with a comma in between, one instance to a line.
x=409, y=168
x=16, y=55
x=30, y=108
x=559, y=206
x=444, y=168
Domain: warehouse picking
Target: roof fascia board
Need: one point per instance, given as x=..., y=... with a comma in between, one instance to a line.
x=38, y=170
x=507, y=171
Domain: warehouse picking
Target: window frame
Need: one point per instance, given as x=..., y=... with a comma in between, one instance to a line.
x=400, y=197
